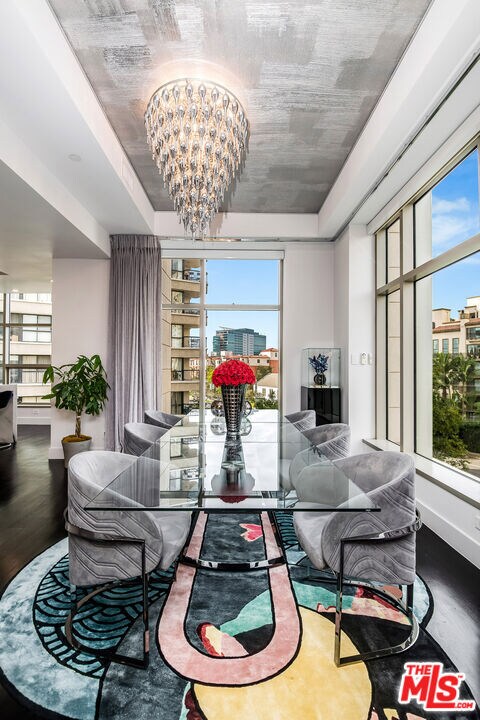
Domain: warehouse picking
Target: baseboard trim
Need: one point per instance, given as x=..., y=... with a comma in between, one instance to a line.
x=55, y=453
x=453, y=536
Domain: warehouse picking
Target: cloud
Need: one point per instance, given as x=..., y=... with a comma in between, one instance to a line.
x=472, y=259
x=448, y=230
x=453, y=221
x=461, y=204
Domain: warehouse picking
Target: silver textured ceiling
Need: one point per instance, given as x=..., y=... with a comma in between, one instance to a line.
x=308, y=73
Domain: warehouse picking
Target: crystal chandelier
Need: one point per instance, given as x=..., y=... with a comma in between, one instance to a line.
x=197, y=132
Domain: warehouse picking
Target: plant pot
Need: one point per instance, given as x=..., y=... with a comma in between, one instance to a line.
x=319, y=379
x=72, y=445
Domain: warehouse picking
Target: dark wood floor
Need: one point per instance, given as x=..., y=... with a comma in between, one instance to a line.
x=33, y=497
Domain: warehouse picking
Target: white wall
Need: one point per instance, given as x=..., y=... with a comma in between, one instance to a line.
x=354, y=322
x=33, y=415
x=452, y=518
x=307, y=311
x=79, y=327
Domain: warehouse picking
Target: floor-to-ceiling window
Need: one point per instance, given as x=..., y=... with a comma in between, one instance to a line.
x=428, y=319
x=26, y=344
x=215, y=308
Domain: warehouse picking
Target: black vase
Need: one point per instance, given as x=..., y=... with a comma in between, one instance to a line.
x=319, y=379
x=233, y=399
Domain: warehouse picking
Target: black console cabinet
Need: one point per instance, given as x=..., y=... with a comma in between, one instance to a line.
x=325, y=402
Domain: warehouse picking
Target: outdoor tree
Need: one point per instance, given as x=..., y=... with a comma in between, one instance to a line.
x=261, y=371
x=447, y=420
x=452, y=381
x=465, y=373
x=444, y=374
x=453, y=377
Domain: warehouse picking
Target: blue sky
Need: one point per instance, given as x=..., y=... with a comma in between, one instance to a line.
x=455, y=217
x=247, y=282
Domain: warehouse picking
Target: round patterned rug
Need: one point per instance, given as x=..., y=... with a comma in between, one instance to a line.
x=239, y=645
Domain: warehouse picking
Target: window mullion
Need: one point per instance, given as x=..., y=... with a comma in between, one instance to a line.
x=203, y=340
x=407, y=338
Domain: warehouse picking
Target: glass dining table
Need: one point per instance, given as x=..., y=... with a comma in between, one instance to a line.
x=236, y=490
x=194, y=467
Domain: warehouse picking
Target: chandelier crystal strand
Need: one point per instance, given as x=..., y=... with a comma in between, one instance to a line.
x=197, y=132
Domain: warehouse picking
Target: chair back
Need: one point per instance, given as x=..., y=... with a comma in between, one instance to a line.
x=161, y=419
x=138, y=437
x=93, y=563
x=6, y=417
x=303, y=420
x=331, y=440
x=388, y=479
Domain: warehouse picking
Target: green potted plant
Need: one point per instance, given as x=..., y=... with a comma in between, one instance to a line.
x=81, y=387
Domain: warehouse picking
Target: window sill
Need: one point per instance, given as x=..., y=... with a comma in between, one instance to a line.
x=464, y=486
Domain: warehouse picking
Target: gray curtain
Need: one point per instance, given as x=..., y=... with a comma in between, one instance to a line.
x=134, y=364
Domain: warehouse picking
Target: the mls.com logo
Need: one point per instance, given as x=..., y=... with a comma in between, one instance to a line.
x=428, y=685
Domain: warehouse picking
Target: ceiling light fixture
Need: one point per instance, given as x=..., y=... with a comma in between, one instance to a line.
x=197, y=132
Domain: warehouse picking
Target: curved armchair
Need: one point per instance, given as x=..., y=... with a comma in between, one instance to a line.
x=113, y=546
x=332, y=440
x=303, y=420
x=378, y=546
x=138, y=437
x=161, y=419
x=7, y=437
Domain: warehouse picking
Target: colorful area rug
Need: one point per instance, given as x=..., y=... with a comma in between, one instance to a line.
x=236, y=645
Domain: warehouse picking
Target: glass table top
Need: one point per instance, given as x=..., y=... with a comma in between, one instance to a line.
x=194, y=467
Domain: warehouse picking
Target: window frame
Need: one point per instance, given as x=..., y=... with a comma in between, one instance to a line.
x=406, y=283
x=203, y=307
x=6, y=325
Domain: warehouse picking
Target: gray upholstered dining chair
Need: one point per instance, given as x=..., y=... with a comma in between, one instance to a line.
x=372, y=546
x=7, y=437
x=138, y=437
x=331, y=440
x=109, y=547
x=303, y=420
x=161, y=419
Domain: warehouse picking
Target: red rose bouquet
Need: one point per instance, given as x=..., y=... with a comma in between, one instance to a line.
x=233, y=372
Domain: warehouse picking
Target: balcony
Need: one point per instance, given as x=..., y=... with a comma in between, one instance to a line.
x=473, y=334
x=186, y=343
x=188, y=281
x=185, y=348
x=183, y=316
x=192, y=275
x=185, y=311
x=185, y=375
x=473, y=352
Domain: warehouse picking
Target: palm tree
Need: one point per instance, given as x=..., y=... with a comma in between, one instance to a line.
x=444, y=374
x=464, y=371
x=452, y=377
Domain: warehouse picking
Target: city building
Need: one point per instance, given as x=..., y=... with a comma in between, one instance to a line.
x=460, y=336
x=26, y=330
x=181, y=286
x=273, y=355
x=268, y=386
x=255, y=361
x=240, y=341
